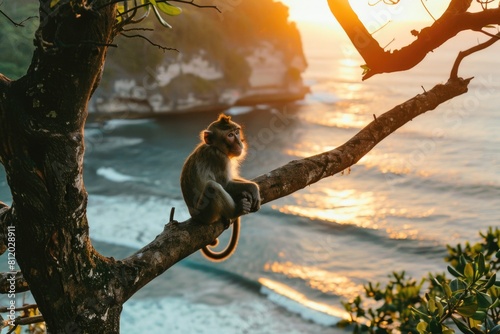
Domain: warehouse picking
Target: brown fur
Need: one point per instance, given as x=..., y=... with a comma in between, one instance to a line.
x=210, y=183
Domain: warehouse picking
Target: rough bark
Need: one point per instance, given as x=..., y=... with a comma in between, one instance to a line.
x=41, y=130
x=454, y=20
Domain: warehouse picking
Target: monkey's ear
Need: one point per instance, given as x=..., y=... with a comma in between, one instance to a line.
x=207, y=137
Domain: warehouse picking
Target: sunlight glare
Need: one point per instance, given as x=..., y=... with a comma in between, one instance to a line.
x=317, y=279
x=339, y=206
x=309, y=11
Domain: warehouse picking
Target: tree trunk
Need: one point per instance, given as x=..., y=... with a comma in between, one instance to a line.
x=42, y=116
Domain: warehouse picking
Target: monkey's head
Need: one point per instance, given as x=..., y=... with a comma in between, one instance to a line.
x=225, y=135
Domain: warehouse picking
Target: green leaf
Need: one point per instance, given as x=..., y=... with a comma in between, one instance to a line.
x=467, y=310
x=496, y=303
x=457, y=285
x=479, y=315
x=447, y=290
x=495, y=330
x=120, y=8
x=431, y=304
x=167, y=8
x=160, y=19
x=469, y=272
x=53, y=3
x=420, y=313
x=440, y=308
x=422, y=327
x=481, y=266
x=491, y=281
x=454, y=272
x=484, y=300
x=462, y=326
x=365, y=68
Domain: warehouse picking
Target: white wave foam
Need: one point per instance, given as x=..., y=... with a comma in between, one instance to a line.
x=239, y=110
x=129, y=221
x=112, y=175
x=183, y=316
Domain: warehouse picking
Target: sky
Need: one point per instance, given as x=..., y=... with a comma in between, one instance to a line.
x=318, y=11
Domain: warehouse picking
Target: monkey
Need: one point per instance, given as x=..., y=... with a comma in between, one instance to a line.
x=211, y=186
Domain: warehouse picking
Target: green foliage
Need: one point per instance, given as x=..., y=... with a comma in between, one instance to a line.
x=468, y=302
x=124, y=10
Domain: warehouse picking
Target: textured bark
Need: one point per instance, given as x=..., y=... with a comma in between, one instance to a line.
x=454, y=20
x=41, y=130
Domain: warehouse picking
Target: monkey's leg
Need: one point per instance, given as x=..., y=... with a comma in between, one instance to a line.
x=215, y=203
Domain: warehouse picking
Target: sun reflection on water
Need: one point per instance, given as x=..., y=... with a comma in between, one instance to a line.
x=282, y=290
x=346, y=206
x=318, y=279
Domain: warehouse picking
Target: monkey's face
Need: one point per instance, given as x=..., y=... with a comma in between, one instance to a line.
x=225, y=135
x=234, y=143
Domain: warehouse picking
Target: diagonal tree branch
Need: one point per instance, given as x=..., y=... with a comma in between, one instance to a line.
x=179, y=240
x=454, y=20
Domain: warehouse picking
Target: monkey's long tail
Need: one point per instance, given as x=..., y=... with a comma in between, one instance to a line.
x=229, y=250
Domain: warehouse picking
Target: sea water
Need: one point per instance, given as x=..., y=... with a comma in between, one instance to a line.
x=436, y=181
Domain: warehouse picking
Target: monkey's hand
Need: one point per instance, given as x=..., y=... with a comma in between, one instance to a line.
x=253, y=196
x=244, y=206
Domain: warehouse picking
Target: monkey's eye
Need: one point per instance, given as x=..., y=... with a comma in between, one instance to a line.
x=230, y=135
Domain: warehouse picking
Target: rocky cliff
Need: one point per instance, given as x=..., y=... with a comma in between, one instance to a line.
x=247, y=53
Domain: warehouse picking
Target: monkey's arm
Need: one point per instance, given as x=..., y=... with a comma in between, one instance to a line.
x=215, y=202
x=244, y=189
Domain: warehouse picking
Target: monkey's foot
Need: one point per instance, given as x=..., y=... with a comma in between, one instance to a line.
x=227, y=223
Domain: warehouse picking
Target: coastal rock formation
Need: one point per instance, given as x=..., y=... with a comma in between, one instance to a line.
x=250, y=53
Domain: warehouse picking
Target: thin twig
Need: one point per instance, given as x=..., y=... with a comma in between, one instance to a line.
x=20, y=24
x=164, y=48
x=468, y=52
x=382, y=27
x=138, y=29
x=191, y=2
x=427, y=10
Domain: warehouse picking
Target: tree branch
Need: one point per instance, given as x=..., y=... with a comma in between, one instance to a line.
x=4, y=209
x=468, y=52
x=20, y=24
x=454, y=20
x=17, y=278
x=179, y=240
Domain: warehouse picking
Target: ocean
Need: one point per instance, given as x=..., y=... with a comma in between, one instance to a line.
x=436, y=181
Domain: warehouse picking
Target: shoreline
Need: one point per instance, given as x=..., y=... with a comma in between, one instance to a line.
x=250, y=100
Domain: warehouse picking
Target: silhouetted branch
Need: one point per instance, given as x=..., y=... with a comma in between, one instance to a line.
x=454, y=20
x=179, y=240
x=190, y=2
x=164, y=48
x=468, y=52
x=20, y=24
